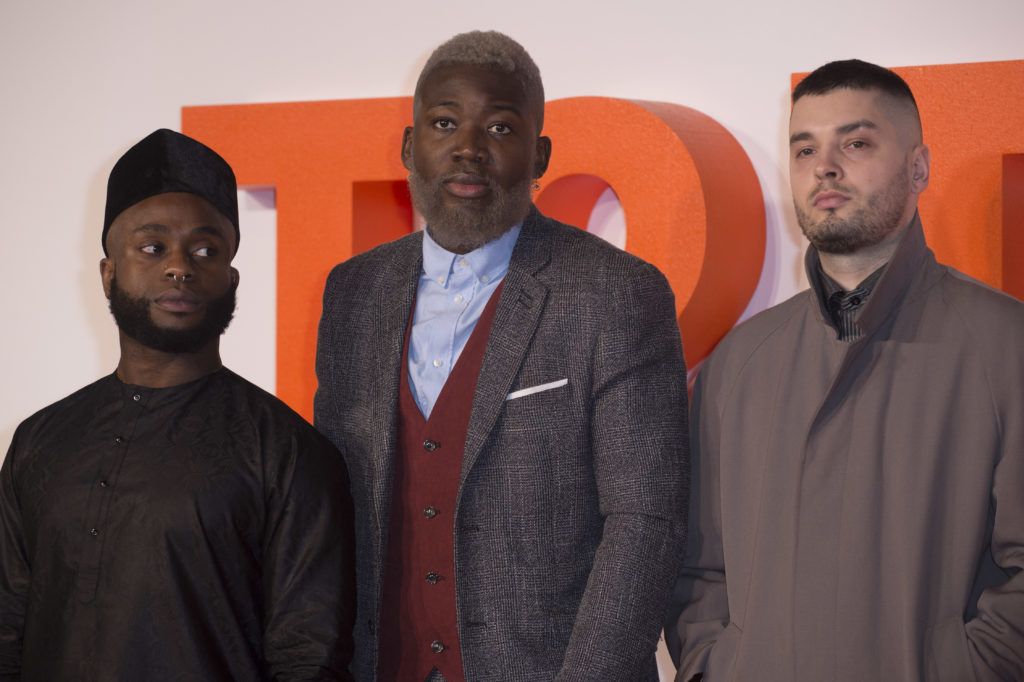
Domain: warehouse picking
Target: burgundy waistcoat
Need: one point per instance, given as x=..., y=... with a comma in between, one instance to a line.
x=418, y=624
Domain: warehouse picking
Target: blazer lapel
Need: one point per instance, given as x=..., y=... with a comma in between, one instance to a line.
x=396, y=291
x=515, y=320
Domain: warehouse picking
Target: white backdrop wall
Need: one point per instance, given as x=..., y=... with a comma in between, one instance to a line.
x=83, y=81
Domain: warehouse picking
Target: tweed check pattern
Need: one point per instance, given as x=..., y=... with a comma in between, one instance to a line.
x=570, y=514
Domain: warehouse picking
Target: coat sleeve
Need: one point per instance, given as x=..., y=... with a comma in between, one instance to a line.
x=699, y=606
x=639, y=445
x=14, y=571
x=308, y=561
x=995, y=635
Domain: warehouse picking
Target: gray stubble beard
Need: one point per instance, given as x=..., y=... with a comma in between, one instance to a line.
x=464, y=230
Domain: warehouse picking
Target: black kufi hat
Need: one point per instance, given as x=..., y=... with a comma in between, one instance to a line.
x=166, y=161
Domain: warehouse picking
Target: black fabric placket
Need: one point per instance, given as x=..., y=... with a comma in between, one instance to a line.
x=104, y=485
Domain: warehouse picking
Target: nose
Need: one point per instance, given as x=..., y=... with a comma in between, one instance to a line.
x=828, y=166
x=178, y=267
x=470, y=144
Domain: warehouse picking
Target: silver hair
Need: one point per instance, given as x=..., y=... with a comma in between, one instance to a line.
x=492, y=50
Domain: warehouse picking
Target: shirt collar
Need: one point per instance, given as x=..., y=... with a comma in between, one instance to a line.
x=488, y=263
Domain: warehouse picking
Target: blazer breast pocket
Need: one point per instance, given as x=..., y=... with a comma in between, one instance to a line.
x=536, y=410
x=539, y=388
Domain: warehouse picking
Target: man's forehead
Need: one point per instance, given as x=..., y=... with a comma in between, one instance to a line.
x=178, y=210
x=454, y=80
x=842, y=107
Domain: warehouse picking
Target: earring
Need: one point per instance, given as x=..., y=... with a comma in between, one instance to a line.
x=535, y=187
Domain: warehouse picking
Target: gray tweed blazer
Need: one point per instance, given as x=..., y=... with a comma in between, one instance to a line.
x=571, y=512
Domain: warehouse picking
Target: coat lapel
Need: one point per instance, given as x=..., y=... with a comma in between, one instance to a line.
x=515, y=320
x=395, y=293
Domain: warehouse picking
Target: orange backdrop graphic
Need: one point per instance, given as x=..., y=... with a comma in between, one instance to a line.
x=690, y=196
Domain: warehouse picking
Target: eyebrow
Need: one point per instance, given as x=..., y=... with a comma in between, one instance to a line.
x=844, y=129
x=443, y=103
x=507, y=107
x=850, y=127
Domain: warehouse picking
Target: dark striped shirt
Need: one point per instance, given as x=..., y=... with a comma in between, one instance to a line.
x=843, y=306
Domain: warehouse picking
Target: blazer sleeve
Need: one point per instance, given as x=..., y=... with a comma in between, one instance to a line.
x=699, y=606
x=325, y=398
x=639, y=447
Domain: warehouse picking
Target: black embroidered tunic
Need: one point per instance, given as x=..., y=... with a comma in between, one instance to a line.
x=199, y=532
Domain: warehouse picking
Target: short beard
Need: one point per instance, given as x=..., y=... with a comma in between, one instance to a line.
x=868, y=226
x=462, y=230
x=134, y=319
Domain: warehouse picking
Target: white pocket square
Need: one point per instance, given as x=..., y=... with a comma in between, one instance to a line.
x=536, y=389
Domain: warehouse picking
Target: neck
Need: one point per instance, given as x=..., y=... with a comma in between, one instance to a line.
x=143, y=366
x=850, y=269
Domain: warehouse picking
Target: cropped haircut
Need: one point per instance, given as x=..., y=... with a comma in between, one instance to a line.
x=490, y=50
x=854, y=74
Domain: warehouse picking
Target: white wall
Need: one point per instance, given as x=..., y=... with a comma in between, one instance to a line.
x=80, y=82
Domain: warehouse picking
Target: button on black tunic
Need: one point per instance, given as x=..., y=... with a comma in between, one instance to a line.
x=197, y=532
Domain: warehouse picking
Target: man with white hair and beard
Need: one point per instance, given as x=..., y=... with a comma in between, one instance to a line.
x=173, y=521
x=510, y=396
x=858, y=500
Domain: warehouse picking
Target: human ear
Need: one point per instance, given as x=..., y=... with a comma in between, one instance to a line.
x=542, y=157
x=920, y=165
x=407, y=148
x=106, y=275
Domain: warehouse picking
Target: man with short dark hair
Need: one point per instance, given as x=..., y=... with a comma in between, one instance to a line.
x=510, y=395
x=172, y=520
x=858, y=505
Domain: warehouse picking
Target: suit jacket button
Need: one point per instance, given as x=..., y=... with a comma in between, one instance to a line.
x=437, y=646
x=433, y=578
x=430, y=512
x=430, y=445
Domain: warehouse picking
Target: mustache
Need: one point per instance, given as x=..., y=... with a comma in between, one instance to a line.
x=829, y=187
x=468, y=176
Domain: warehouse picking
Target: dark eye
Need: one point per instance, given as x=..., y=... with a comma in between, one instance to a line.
x=499, y=128
x=806, y=151
x=444, y=124
x=204, y=252
x=152, y=249
x=858, y=144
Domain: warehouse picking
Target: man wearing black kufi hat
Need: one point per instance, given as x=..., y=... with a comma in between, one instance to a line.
x=172, y=520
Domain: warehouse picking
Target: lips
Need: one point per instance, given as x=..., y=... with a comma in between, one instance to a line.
x=467, y=185
x=178, y=301
x=829, y=199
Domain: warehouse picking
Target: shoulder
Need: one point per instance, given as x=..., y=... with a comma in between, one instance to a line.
x=82, y=399
x=751, y=333
x=287, y=444
x=62, y=414
x=980, y=303
x=266, y=413
x=370, y=263
x=580, y=260
x=992, y=319
x=746, y=339
x=577, y=248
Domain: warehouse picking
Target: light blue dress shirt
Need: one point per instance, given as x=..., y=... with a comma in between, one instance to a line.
x=452, y=293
